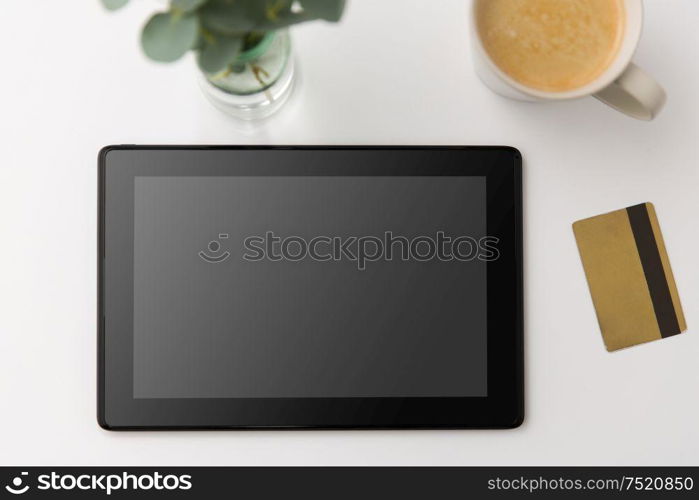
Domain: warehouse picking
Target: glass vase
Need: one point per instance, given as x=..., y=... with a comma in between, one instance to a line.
x=258, y=83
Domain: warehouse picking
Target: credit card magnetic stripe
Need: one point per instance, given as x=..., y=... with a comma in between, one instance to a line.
x=658, y=278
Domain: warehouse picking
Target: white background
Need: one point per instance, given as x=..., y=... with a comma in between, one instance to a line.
x=394, y=72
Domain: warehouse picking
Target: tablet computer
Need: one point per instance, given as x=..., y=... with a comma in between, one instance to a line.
x=310, y=287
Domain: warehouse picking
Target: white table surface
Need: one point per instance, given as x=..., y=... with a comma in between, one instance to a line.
x=394, y=72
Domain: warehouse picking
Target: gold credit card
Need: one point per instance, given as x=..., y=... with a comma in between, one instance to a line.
x=629, y=275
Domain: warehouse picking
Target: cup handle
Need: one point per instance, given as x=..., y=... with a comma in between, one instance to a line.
x=634, y=93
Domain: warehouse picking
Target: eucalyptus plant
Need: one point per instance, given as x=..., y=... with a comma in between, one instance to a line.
x=218, y=31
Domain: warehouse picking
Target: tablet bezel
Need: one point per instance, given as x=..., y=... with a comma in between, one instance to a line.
x=502, y=408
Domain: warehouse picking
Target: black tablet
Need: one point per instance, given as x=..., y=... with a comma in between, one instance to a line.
x=310, y=287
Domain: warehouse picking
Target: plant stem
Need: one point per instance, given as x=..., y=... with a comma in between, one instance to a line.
x=257, y=71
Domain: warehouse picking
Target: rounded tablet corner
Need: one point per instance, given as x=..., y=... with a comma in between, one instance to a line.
x=102, y=422
x=102, y=155
x=515, y=153
x=105, y=150
x=104, y=425
x=517, y=422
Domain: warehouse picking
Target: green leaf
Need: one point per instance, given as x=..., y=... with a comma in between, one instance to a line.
x=274, y=14
x=186, y=5
x=231, y=17
x=168, y=36
x=234, y=17
x=330, y=10
x=219, y=52
x=114, y=4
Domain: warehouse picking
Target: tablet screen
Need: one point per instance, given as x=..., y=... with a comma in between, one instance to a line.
x=310, y=287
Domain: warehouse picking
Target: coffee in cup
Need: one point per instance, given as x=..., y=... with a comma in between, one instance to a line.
x=551, y=50
x=552, y=45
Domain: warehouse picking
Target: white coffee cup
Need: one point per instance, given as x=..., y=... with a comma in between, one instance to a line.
x=623, y=86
